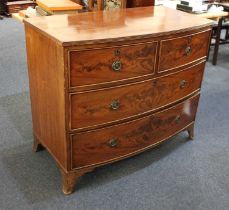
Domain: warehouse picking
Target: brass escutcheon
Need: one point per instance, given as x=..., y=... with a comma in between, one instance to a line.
x=154, y=82
x=117, y=52
x=115, y=105
x=113, y=142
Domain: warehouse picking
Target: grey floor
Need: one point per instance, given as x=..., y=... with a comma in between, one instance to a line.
x=179, y=174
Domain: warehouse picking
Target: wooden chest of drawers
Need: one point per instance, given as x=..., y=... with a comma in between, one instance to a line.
x=106, y=86
x=16, y=6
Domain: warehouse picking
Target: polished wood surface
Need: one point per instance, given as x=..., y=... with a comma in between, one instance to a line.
x=103, y=145
x=58, y=5
x=108, y=85
x=179, y=51
x=47, y=94
x=133, y=100
x=119, y=24
x=134, y=60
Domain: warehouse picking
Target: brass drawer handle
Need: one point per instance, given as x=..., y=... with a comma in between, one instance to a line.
x=188, y=51
x=113, y=142
x=177, y=119
x=117, y=52
x=117, y=66
x=183, y=84
x=115, y=105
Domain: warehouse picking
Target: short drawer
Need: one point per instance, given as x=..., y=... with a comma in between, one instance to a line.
x=97, y=66
x=103, y=106
x=180, y=51
x=113, y=143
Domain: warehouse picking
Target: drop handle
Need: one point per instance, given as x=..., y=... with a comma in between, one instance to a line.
x=188, y=51
x=115, y=105
x=117, y=66
x=183, y=84
x=113, y=142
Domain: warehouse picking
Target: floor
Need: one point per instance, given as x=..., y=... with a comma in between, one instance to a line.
x=178, y=175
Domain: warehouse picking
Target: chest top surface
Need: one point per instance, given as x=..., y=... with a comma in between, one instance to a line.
x=107, y=26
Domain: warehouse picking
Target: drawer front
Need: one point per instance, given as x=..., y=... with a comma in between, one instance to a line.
x=108, y=105
x=91, y=67
x=103, y=145
x=14, y=8
x=183, y=50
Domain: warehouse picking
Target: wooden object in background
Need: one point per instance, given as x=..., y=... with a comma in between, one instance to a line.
x=104, y=87
x=219, y=16
x=58, y=5
x=16, y=6
x=139, y=3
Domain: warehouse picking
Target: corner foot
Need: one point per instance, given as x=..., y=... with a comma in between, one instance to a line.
x=190, y=130
x=70, y=179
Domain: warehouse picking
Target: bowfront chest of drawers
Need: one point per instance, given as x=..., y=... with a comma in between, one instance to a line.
x=106, y=86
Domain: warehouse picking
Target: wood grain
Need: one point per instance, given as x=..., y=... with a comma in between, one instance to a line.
x=94, y=66
x=93, y=108
x=85, y=114
x=118, y=25
x=174, y=52
x=69, y=179
x=16, y=6
x=47, y=85
x=95, y=147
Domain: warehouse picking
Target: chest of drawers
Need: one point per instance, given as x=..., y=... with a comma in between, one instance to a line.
x=16, y=6
x=106, y=86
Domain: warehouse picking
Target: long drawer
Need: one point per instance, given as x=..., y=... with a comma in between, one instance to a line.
x=105, y=65
x=16, y=6
x=95, y=108
x=108, y=144
x=183, y=50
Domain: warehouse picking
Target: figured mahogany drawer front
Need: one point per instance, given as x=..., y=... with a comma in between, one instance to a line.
x=14, y=8
x=91, y=67
x=107, y=105
x=115, y=142
x=183, y=50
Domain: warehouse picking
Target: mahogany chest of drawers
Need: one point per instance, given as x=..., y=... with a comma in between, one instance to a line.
x=106, y=86
x=16, y=6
